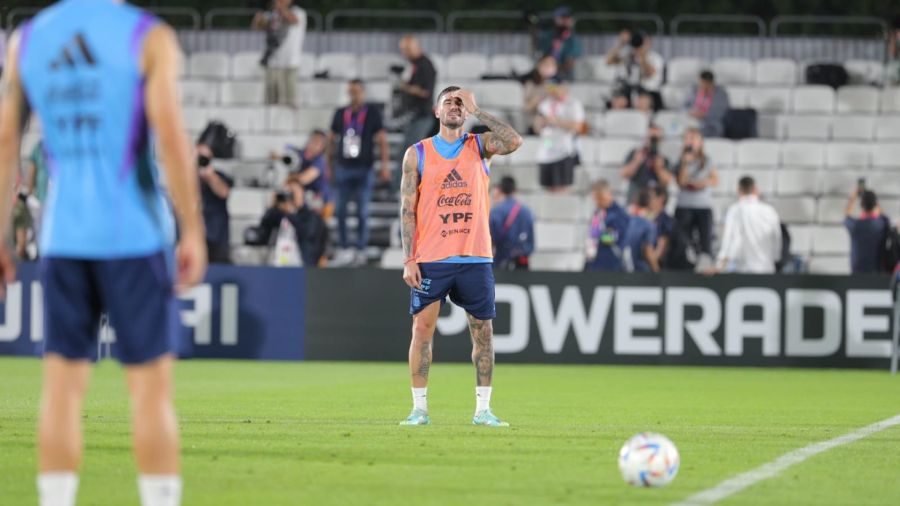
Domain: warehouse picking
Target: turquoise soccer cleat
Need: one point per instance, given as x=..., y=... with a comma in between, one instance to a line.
x=488, y=419
x=417, y=417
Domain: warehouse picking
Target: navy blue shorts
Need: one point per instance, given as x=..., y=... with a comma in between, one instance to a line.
x=137, y=294
x=470, y=286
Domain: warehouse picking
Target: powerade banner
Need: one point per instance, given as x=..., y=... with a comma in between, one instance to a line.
x=237, y=312
x=816, y=321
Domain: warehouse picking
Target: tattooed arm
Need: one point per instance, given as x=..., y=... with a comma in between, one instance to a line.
x=502, y=139
x=409, y=198
x=14, y=112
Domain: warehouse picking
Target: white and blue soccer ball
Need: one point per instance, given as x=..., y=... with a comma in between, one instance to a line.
x=649, y=460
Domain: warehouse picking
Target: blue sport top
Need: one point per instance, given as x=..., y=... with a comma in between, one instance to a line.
x=80, y=68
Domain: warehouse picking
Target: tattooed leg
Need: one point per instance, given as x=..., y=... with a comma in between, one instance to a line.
x=482, y=350
x=420, y=347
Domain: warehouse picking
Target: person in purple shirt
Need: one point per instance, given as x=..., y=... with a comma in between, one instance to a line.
x=512, y=228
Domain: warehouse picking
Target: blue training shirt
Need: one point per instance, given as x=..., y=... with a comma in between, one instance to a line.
x=80, y=68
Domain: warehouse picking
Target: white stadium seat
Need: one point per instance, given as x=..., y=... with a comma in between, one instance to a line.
x=508, y=64
x=890, y=100
x=846, y=155
x=770, y=99
x=626, y=123
x=758, y=153
x=802, y=154
x=248, y=201
x=613, y=151
x=591, y=96
x=720, y=151
x=801, y=239
x=674, y=123
x=307, y=66
x=831, y=210
x=194, y=92
x=857, y=99
x=312, y=118
x=674, y=96
x=733, y=71
x=885, y=183
x=558, y=236
x=739, y=96
x=806, y=127
x=375, y=66
x=776, y=72
x=796, y=209
x=392, y=258
x=830, y=240
x=839, y=182
x=829, y=265
x=258, y=146
x=242, y=92
x=796, y=182
x=588, y=147
x=556, y=262
x=527, y=152
x=439, y=62
x=865, y=71
x=552, y=207
x=339, y=65
x=602, y=72
x=500, y=94
x=684, y=71
x=210, y=64
x=466, y=66
x=321, y=93
x=853, y=128
x=378, y=92
x=885, y=155
x=813, y=99
x=282, y=119
x=245, y=65
x=887, y=128
x=195, y=118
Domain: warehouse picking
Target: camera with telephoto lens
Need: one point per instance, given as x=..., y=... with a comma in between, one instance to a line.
x=637, y=40
x=653, y=148
x=283, y=195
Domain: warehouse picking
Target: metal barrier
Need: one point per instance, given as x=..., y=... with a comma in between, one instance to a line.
x=834, y=21
x=622, y=16
x=314, y=18
x=454, y=17
x=698, y=43
x=385, y=13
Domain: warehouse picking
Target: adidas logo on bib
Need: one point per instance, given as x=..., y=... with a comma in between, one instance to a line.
x=453, y=180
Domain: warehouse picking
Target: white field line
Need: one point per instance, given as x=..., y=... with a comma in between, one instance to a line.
x=775, y=467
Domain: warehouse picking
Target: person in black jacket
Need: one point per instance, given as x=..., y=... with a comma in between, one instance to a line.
x=309, y=227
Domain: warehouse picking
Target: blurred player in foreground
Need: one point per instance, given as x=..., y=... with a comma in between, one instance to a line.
x=101, y=75
x=444, y=214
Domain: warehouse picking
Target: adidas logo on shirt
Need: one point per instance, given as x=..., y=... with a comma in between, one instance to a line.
x=76, y=52
x=453, y=180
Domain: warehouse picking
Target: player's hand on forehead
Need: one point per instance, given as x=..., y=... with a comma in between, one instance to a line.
x=465, y=98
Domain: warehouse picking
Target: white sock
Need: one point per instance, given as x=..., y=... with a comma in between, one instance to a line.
x=57, y=489
x=160, y=489
x=420, y=402
x=482, y=399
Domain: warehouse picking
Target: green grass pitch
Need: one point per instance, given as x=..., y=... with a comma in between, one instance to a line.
x=326, y=434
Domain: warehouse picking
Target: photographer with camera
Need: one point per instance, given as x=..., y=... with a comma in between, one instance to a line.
x=638, y=66
x=285, y=27
x=215, y=186
x=559, y=41
x=696, y=178
x=309, y=167
x=868, y=230
x=310, y=231
x=645, y=165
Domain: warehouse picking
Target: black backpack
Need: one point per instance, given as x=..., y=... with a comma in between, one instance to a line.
x=829, y=74
x=891, y=246
x=785, y=248
x=220, y=139
x=740, y=124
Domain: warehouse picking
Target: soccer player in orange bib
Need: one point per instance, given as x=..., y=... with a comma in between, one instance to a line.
x=445, y=206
